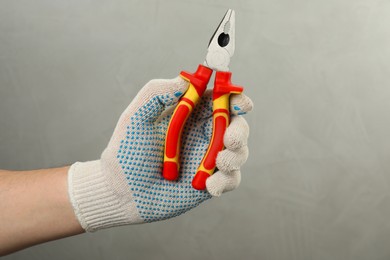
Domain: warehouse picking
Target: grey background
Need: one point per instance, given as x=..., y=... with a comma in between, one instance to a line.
x=316, y=185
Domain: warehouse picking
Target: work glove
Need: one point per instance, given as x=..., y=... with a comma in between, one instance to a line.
x=126, y=185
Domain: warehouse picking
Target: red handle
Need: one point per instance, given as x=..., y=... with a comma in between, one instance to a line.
x=198, y=84
x=223, y=88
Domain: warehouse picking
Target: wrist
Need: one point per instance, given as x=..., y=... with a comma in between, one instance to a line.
x=96, y=202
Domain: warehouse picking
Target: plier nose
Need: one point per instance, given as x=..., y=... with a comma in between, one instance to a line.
x=220, y=50
x=222, y=43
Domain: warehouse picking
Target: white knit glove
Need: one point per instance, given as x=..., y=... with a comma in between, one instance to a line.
x=126, y=185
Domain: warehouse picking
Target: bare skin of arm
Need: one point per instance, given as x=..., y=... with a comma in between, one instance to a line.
x=35, y=208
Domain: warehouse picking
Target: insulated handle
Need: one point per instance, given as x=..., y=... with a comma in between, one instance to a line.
x=223, y=88
x=198, y=84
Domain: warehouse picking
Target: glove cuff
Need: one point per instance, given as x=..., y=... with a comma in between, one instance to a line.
x=94, y=202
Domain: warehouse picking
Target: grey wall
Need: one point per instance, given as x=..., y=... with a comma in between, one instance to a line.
x=316, y=185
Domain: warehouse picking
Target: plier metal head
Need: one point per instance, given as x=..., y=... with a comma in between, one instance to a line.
x=221, y=45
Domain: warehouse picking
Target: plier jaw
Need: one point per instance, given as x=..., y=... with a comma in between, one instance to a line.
x=222, y=44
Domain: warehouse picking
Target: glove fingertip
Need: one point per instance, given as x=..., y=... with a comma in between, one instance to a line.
x=214, y=186
x=221, y=182
x=236, y=135
x=240, y=104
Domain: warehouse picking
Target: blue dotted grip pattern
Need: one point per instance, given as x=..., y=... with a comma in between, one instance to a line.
x=141, y=157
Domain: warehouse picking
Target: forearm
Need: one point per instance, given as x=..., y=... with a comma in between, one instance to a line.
x=34, y=208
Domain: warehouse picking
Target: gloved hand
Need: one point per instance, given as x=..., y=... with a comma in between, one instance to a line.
x=126, y=185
